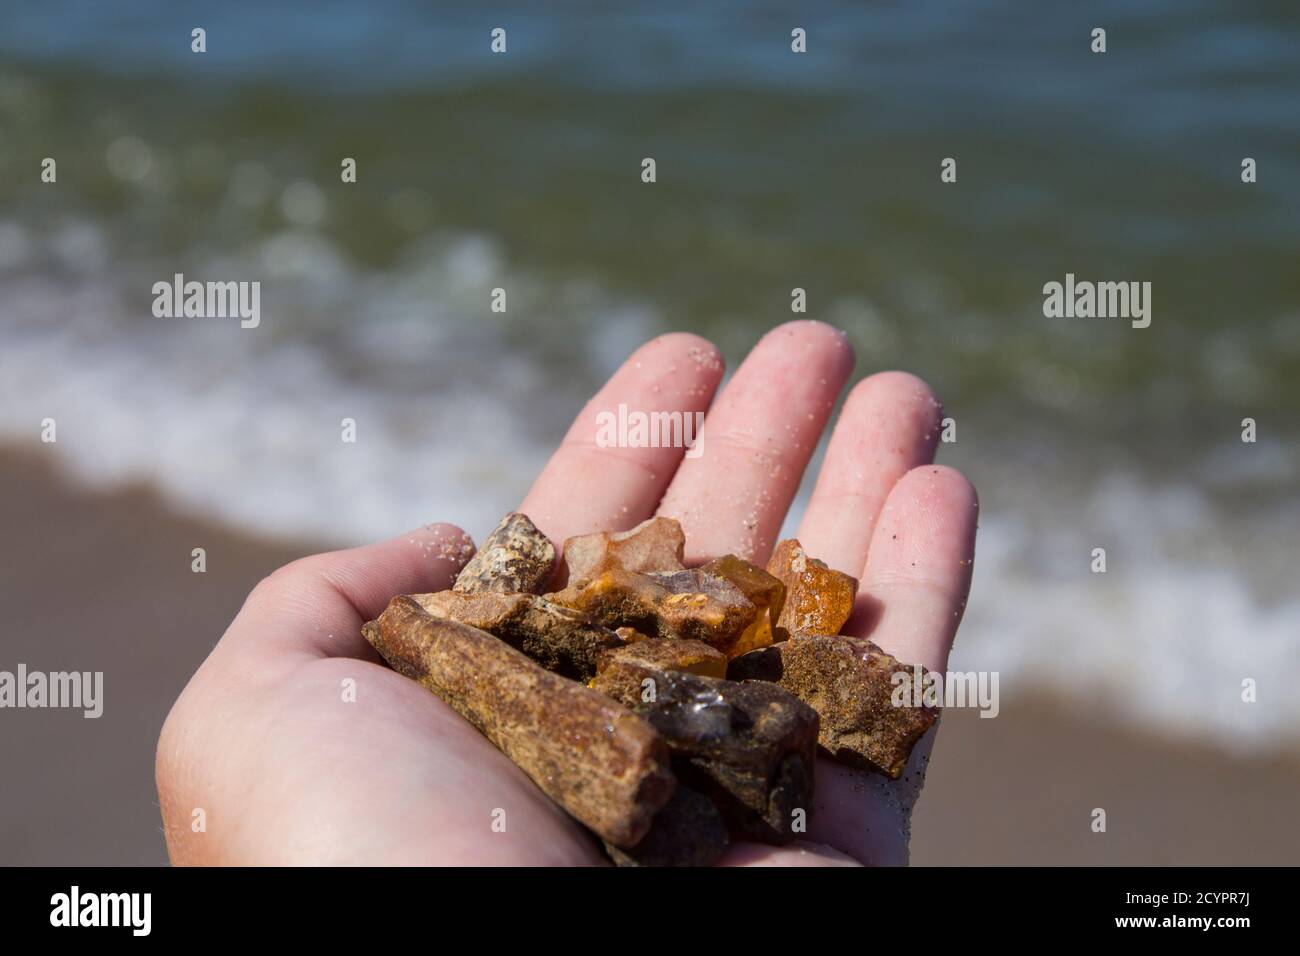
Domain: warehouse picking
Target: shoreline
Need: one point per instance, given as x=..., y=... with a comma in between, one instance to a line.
x=1017, y=789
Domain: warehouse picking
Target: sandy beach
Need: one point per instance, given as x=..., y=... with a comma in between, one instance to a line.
x=103, y=582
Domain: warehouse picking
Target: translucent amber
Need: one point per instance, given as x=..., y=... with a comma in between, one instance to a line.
x=818, y=600
x=764, y=591
x=653, y=545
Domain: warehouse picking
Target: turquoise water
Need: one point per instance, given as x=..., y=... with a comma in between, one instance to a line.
x=774, y=170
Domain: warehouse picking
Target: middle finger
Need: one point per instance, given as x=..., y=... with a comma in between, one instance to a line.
x=756, y=442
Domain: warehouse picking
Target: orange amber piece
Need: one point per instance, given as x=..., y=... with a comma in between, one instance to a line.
x=818, y=600
x=654, y=545
x=763, y=590
x=687, y=605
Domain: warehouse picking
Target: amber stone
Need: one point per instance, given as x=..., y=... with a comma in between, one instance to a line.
x=687, y=605
x=654, y=545
x=765, y=591
x=818, y=599
x=850, y=683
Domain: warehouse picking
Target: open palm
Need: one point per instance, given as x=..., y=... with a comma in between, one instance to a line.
x=294, y=744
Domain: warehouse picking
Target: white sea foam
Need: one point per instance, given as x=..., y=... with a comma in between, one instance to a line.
x=1164, y=644
x=247, y=427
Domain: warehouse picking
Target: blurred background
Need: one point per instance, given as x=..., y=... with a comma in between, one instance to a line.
x=1119, y=690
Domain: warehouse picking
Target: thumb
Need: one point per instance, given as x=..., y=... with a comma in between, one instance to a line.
x=315, y=606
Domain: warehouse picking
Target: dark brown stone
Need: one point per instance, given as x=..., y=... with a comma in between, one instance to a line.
x=688, y=831
x=749, y=747
x=850, y=683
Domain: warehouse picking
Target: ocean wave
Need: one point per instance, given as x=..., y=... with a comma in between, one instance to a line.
x=1164, y=645
x=247, y=425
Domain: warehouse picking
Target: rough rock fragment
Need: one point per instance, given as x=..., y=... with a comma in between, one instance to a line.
x=849, y=682
x=656, y=544
x=748, y=747
x=557, y=637
x=621, y=672
x=818, y=600
x=688, y=605
x=603, y=764
x=764, y=591
x=688, y=831
x=515, y=557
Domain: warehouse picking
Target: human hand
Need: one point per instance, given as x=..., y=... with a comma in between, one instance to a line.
x=288, y=771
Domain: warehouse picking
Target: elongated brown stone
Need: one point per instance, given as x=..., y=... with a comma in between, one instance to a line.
x=850, y=683
x=604, y=765
x=622, y=671
x=515, y=557
x=688, y=831
x=818, y=599
x=687, y=605
x=749, y=747
x=656, y=544
x=557, y=637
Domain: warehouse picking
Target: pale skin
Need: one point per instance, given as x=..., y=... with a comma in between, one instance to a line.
x=286, y=771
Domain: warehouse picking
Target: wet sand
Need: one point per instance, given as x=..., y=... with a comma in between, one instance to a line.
x=102, y=582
